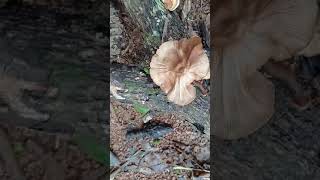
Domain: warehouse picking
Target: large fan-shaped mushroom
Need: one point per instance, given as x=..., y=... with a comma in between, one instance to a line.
x=176, y=65
x=246, y=34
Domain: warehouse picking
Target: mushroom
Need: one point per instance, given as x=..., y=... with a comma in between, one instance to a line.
x=246, y=35
x=176, y=65
x=313, y=47
x=171, y=5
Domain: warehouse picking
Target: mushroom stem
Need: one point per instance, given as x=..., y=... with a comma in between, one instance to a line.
x=280, y=71
x=300, y=100
x=200, y=85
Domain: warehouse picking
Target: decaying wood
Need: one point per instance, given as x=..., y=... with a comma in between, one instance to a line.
x=139, y=88
x=151, y=16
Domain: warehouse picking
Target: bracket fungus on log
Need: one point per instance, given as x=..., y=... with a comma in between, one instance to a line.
x=176, y=65
x=171, y=5
x=247, y=35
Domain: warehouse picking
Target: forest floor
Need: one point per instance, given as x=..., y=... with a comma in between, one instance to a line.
x=145, y=145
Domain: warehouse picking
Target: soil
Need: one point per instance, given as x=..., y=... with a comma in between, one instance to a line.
x=183, y=146
x=36, y=153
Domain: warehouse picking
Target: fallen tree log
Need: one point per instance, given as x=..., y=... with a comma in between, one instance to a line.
x=139, y=88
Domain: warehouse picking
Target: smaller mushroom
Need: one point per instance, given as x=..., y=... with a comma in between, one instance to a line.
x=176, y=65
x=171, y=5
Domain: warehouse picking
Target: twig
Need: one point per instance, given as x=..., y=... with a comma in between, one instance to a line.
x=165, y=30
x=189, y=169
x=127, y=48
x=131, y=159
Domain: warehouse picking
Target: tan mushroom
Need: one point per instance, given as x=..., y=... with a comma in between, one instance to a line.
x=246, y=35
x=176, y=65
x=171, y=5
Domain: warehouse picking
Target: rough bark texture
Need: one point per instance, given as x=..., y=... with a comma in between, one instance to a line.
x=139, y=88
x=151, y=17
x=116, y=33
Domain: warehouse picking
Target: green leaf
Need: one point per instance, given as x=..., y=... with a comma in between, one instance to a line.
x=90, y=145
x=141, y=109
x=155, y=142
x=146, y=70
x=177, y=172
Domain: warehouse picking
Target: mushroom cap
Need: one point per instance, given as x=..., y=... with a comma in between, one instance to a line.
x=171, y=5
x=176, y=65
x=280, y=27
x=247, y=38
x=313, y=47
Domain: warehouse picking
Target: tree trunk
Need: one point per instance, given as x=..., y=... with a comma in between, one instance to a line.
x=157, y=25
x=156, y=22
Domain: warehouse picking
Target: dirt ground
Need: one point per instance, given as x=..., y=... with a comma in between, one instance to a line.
x=39, y=154
x=175, y=143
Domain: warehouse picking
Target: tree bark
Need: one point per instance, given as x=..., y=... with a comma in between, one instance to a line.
x=154, y=20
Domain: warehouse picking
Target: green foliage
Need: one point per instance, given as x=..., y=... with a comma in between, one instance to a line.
x=155, y=142
x=133, y=88
x=146, y=70
x=177, y=172
x=141, y=109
